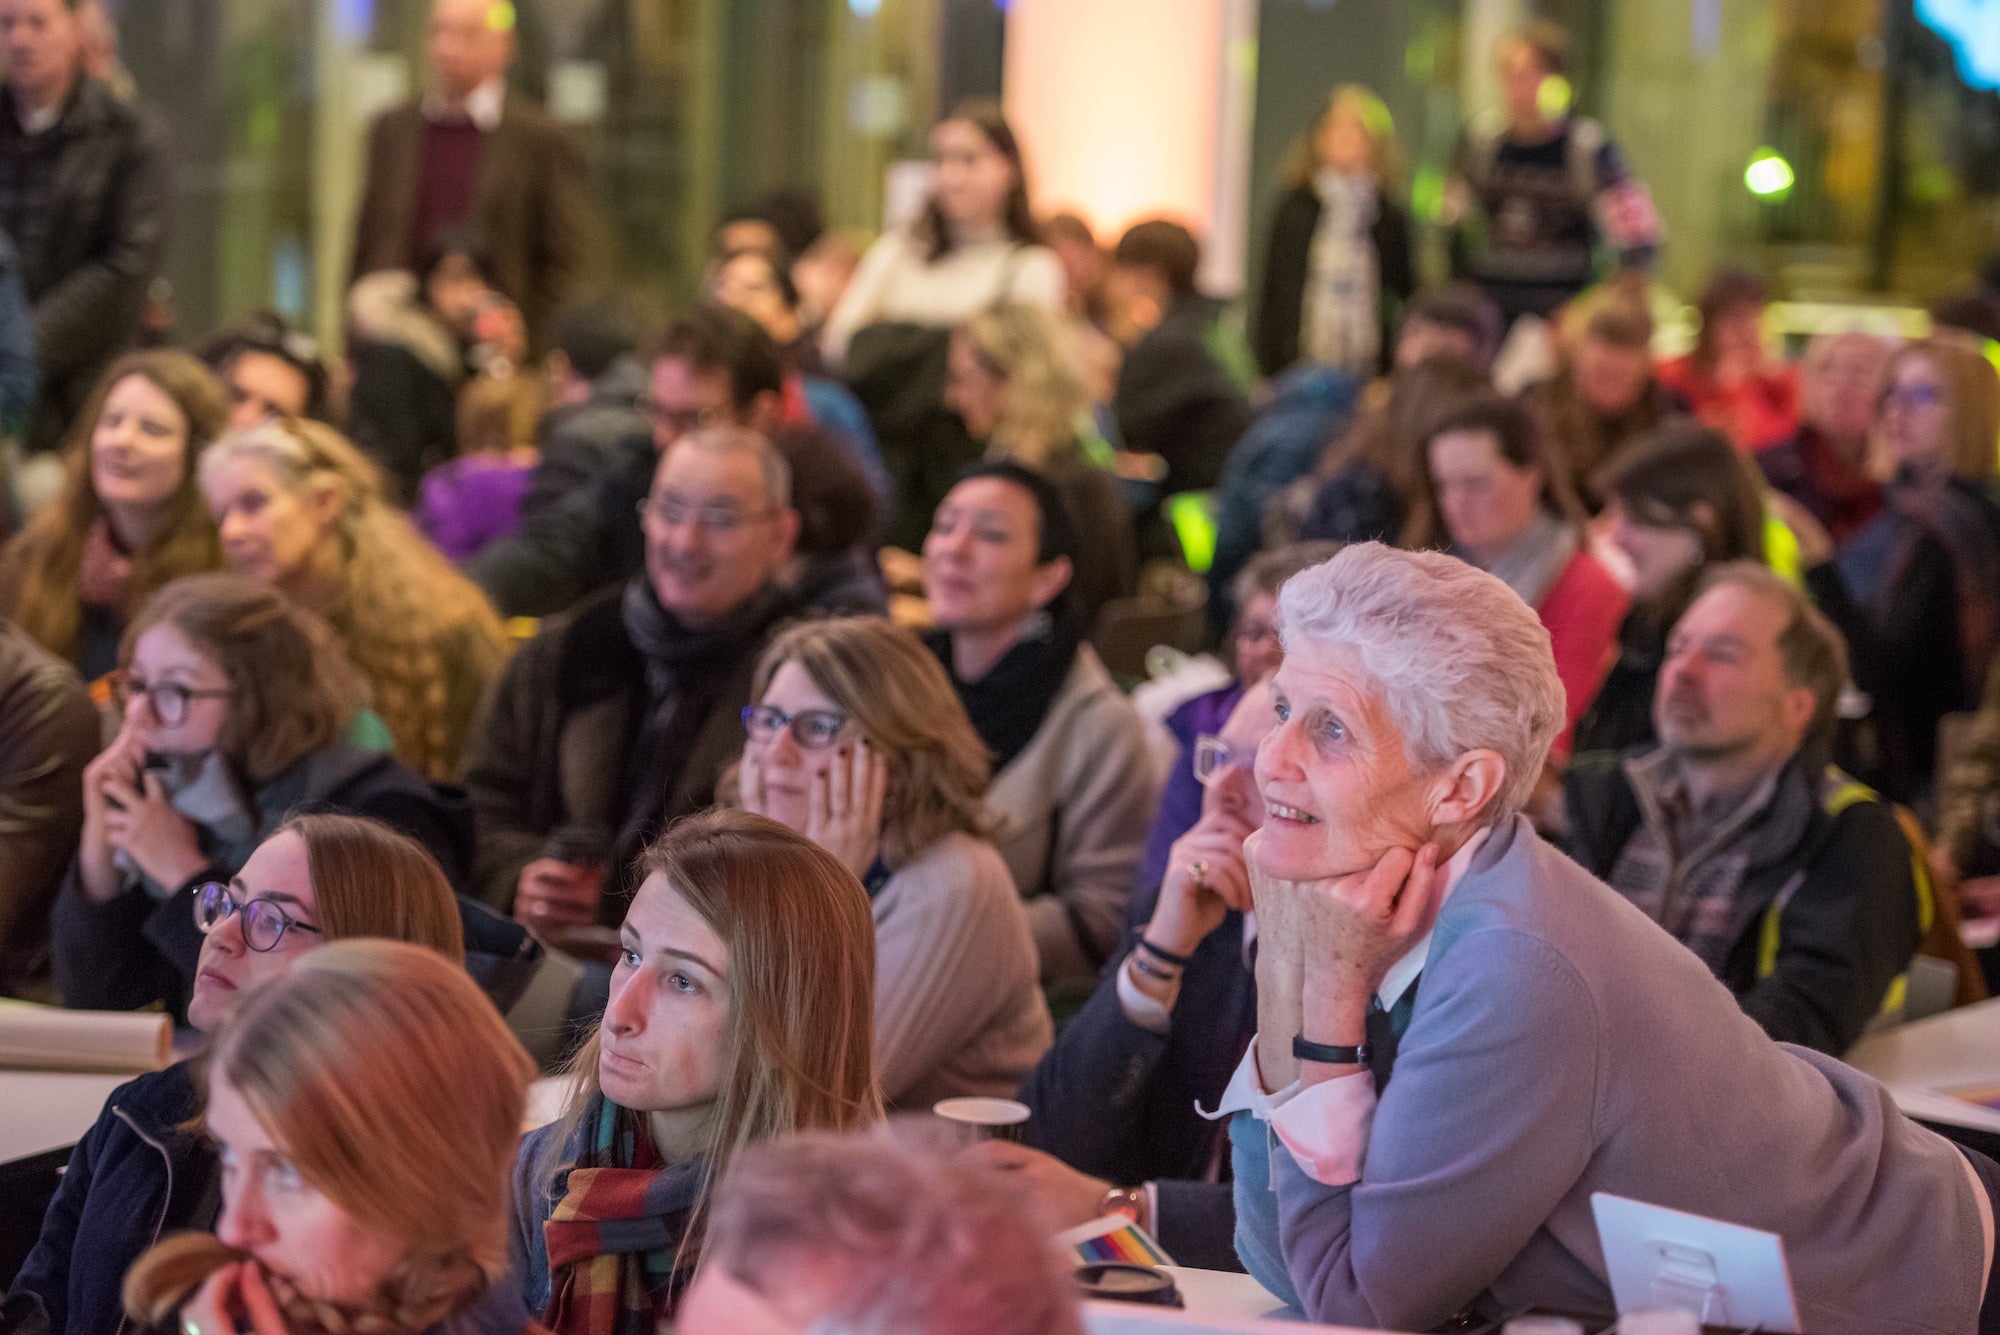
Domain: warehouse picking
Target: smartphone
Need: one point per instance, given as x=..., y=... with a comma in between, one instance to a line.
x=153, y=762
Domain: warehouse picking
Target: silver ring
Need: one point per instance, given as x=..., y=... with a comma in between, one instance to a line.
x=1198, y=872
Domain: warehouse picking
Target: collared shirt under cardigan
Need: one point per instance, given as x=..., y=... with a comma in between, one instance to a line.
x=1563, y=1044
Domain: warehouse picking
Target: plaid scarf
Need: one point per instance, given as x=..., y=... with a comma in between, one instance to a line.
x=617, y=1226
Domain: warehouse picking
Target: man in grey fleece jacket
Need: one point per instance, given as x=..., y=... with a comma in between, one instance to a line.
x=1546, y=1039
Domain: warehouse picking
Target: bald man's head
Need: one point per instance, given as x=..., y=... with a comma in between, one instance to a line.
x=471, y=41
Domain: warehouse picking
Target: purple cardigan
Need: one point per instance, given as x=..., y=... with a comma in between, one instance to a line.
x=467, y=503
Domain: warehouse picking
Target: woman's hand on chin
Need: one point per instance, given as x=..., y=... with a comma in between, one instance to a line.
x=845, y=815
x=1355, y=927
x=234, y=1298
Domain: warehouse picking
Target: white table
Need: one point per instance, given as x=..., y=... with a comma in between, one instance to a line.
x=43, y=1111
x=1918, y=1060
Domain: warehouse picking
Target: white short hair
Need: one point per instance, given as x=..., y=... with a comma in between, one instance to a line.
x=1461, y=662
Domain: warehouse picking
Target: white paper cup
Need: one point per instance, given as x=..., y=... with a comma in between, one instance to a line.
x=985, y=1119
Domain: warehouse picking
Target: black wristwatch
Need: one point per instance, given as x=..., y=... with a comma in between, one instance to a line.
x=1329, y=1054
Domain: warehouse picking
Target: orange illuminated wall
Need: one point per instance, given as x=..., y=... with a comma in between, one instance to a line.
x=1129, y=109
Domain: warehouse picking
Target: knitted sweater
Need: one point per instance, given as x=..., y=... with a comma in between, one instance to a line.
x=895, y=282
x=957, y=1006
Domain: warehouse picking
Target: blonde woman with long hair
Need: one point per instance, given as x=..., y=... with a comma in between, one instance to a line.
x=365, y=1107
x=740, y=1011
x=1011, y=377
x=300, y=508
x=858, y=742
x=129, y=518
x=144, y=1169
x=1339, y=263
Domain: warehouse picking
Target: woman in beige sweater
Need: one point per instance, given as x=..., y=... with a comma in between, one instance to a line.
x=858, y=742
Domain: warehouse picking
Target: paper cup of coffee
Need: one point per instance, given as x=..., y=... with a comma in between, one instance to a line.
x=985, y=1119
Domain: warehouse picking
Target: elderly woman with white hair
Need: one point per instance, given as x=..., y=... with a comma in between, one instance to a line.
x=1547, y=1040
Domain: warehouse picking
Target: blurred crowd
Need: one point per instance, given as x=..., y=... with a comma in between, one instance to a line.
x=742, y=699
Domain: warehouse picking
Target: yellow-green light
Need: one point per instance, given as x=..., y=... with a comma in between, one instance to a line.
x=1768, y=175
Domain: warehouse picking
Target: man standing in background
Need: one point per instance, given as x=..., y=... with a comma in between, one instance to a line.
x=83, y=196
x=1534, y=197
x=471, y=155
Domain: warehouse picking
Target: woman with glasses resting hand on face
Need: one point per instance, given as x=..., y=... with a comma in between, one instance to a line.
x=351, y=1049
x=739, y=1012
x=858, y=742
x=236, y=710
x=141, y=1172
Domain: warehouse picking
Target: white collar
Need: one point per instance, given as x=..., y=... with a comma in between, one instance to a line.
x=482, y=105
x=1405, y=970
x=42, y=119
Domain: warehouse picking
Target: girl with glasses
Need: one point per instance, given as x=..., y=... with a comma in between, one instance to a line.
x=143, y=1170
x=238, y=709
x=858, y=743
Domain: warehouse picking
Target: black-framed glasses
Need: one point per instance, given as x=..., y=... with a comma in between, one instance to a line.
x=814, y=729
x=264, y=922
x=1212, y=756
x=167, y=699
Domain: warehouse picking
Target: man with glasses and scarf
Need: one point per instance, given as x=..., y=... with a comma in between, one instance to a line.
x=620, y=715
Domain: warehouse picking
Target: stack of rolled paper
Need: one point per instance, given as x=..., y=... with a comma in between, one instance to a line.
x=44, y=1038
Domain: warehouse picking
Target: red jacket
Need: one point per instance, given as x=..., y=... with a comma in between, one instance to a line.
x=1582, y=612
x=1759, y=410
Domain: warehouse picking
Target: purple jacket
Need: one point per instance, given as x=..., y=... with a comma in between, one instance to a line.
x=1180, y=800
x=467, y=503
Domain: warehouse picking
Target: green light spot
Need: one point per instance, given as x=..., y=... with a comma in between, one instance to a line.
x=1427, y=193
x=1553, y=98
x=1768, y=176
x=500, y=16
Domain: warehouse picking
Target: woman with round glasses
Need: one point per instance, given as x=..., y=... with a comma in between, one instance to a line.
x=857, y=742
x=1917, y=591
x=143, y=1170
x=1253, y=650
x=238, y=709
